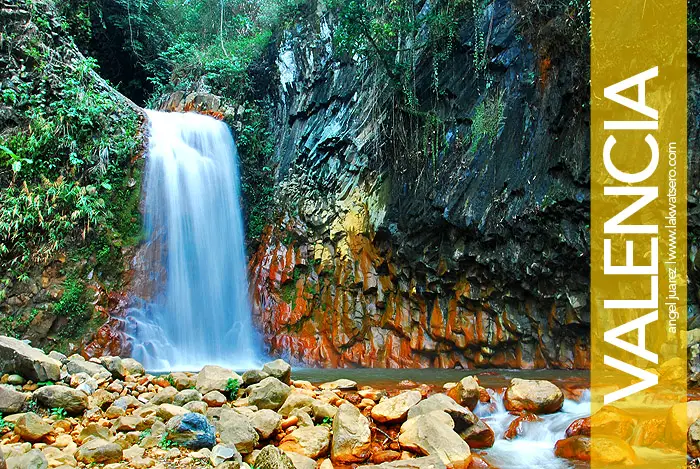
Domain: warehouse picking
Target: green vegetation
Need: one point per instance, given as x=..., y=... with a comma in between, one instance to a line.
x=489, y=118
x=4, y=425
x=232, y=386
x=59, y=413
x=165, y=442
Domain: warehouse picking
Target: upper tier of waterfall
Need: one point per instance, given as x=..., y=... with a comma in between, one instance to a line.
x=199, y=312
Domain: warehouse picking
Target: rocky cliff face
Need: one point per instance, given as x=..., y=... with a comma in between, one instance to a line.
x=453, y=234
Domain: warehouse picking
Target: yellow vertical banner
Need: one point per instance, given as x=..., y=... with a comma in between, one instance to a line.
x=638, y=233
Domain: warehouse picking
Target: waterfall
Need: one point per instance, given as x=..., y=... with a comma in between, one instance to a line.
x=198, y=312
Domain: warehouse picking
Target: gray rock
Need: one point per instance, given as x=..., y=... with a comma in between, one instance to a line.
x=341, y=384
x=312, y=442
x=18, y=357
x=76, y=365
x=253, y=377
x=269, y=393
x=444, y=403
x=191, y=431
x=428, y=462
x=352, y=436
x=16, y=380
x=115, y=366
x=11, y=401
x=34, y=459
x=99, y=451
x=164, y=396
x=133, y=367
x=30, y=427
x=300, y=461
x=432, y=435
x=3, y=463
x=296, y=400
x=273, y=458
x=215, y=378
x=279, y=369
x=266, y=422
x=223, y=453
x=58, y=356
x=72, y=400
x=187, y=395
x=236, y=430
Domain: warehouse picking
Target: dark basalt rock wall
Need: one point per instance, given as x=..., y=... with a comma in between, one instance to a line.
x=455, y=233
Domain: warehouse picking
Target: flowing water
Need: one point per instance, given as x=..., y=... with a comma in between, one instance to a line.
x=195, y=253
x=534, y=447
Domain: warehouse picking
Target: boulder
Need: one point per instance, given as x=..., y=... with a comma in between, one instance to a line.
x=18, y=357
x=444, y=403
x=98, y=451
x=352, y=436
x=214, y=399
x=223, y=453
x=273, y=458
x=312, y=442
x=164, y=396
x=609, y=450
x=516, y=427
x=133, y=367
x=679, y=419
x=235, y=429
x=610, y=420
x=11, y=401
x=580, y=426
x=215, y=378
x=431, y=436
x=94, y=431
x=187, y=395
x=478, y=435
x=395, y=409
x=269, y=393
x=168, y=411
x=466, y=392
x=427, y=462
x=300, y=461
x=115, y=366
x=323, y=410
x=30, y=427
x=192, y=431
x=33, y=459
x=694, y=439
x=253, y=377
x=266, y=422
x=536, y=396
x=72, y=400
x=296, y=400
x=279, y=369
x=77, y=364
x=339, y=384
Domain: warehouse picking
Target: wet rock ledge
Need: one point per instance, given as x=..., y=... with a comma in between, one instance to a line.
x=67, y=412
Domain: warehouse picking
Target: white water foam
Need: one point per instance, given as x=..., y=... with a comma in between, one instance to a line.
x=534, y=447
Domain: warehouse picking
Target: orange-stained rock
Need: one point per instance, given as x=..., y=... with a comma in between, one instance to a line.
x=350, y=300
x=607, y=450
x=516, y=426
x=579, y=427
x=385, y=456
x=649, y=433
x=536, y=396
x=610, y=420
x=478, y=462
x=478, y=435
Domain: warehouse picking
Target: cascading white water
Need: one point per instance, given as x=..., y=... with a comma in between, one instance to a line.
x=200, y=313
x=534, y=447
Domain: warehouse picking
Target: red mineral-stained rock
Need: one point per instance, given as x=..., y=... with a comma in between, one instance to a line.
x=579, y=427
